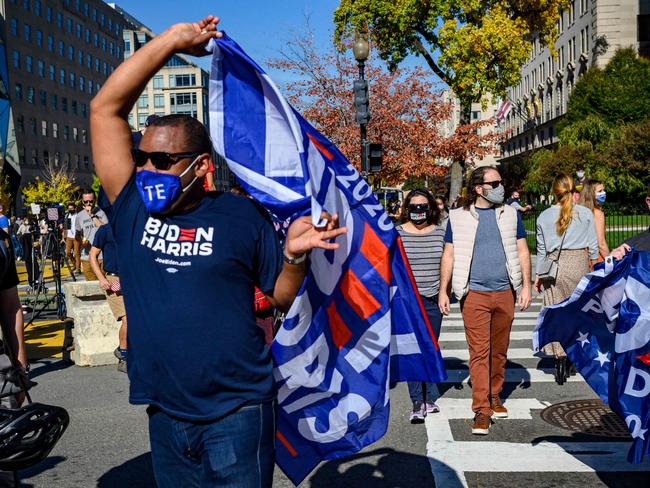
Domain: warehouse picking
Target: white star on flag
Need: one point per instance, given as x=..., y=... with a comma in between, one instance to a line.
x=602, y=358
x=640, y=434
x=582, y=338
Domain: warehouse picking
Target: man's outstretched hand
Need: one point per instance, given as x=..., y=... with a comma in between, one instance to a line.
x=193, y=37
x=303, y=236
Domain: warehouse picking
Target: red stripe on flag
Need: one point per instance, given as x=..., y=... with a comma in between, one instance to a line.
x=320, y=147
x=358, y=296
x=645, y=358
x=187, y=235
x=376, y=252
x=415, y=289
x=286, y=444
x=341, y=334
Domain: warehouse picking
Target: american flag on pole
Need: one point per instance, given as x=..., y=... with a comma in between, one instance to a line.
x=358, y=325
x=504, y=109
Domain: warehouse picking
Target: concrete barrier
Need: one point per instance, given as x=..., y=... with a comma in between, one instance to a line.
x=95, y=330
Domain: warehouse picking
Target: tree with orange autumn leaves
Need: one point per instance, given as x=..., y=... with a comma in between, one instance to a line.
x=407, y=112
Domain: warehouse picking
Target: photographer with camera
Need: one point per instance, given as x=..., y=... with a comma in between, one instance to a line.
x=71, y=241
x=86, y=225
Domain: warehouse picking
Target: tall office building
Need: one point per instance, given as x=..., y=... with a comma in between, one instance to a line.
x=180, y=87
x=590, y=32
x=59, y=53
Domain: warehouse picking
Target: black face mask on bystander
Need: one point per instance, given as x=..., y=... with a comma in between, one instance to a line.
x=418, y=214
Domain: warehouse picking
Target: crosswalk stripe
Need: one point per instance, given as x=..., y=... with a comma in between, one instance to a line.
x=463, y=354
x=460, y=336
x=518, y=315
x=459, y=323
x=513, y=375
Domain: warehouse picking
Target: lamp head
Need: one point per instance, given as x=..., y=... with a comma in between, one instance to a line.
x=361, y=49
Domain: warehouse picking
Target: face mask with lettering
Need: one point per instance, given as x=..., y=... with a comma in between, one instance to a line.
x=160, y=190
x=418, y=213
x=600, y=197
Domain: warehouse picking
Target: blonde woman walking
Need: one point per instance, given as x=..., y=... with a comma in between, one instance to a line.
x=566, y=234
x=592, y=196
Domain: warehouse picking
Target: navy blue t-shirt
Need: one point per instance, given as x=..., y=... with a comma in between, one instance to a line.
x=488, y=271
x=105, y=241
x=188, y=280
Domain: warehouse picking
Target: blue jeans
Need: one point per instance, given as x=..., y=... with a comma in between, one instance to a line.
x=235, y=451
x=420, y=391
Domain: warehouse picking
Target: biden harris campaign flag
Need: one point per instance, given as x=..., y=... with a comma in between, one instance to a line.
x=604, y=327
x=357, y=325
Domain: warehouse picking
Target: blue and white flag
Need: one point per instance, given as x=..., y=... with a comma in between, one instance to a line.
x=358, y=325
x=604, y=327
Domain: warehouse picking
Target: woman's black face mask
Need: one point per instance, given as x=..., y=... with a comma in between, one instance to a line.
x=419, y=213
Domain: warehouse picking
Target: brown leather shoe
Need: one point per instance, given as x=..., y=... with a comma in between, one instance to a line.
x=481, y=424
x=499, y=411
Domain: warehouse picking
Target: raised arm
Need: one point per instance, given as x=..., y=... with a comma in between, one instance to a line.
x=110, y=134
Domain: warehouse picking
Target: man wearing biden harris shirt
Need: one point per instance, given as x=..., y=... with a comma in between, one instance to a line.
x=206, y=376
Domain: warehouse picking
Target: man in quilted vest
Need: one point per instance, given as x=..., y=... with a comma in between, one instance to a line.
x=486, y=259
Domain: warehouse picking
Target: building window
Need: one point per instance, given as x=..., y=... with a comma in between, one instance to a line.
x=43, y=97
x=104, y=44
x=64, y=104
x=61, y=48
x=143, y=101
x=54, y=101
x=27, y=32
x=32, y=126
x=79, y=30
x=69, y=24
x=105, y=69
x=18, y=89
x=71, y=53
x=20, y=123
x=102, y=20
x=44, y=128
x=59, y=20
x=30, y=94
x=94, y=15
x=96, y=39
x=57, y=157
x=182, y=80
x=97, y=65
x=80, y=57
x=82, y=83
x=71, y=80
x=61, y=76
x=118, y=52
x=86, y=162
x=37, y=8
x=66, y=132
x=127, y=45
x=40, y=66
x=90, y=86
x=74, y=107
x=13, y=26
x=16, y=59
x=75, y=134
x=55, y=130
x=29, y=64
x=158, y=81
x=48, y=14
x=84, y=136
x=52, y=72
x=26, y=5
x=88, y=36
x=159, y=101
x=39, y=38
x=89, y=61
x=86, y=7
x=50, y=44
x=46, y=157
x=142, y=118
x=111, y=48
x=183, y=103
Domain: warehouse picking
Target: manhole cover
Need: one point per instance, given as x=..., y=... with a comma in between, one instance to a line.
x=591, y=417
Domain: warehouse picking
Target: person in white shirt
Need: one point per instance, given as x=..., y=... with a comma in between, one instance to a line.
x=71, y=241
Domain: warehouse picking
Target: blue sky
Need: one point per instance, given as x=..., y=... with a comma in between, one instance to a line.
x=260, y=27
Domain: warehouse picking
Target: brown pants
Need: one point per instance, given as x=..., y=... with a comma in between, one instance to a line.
x=488, y=319
x=88, y=272
x=73, y=244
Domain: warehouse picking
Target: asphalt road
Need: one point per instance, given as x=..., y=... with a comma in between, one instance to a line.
x=106, y=443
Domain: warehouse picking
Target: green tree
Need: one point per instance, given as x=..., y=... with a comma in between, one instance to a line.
x=5, y=192
x=56, y=186
x=474, y=46
x=617, y=94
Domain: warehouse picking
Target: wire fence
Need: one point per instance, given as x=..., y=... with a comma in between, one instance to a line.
x=621, y=223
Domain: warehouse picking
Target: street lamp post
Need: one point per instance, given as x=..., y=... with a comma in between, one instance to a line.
x=361, y=102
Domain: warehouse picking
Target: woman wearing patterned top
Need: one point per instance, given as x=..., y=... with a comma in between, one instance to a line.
x=423, y=238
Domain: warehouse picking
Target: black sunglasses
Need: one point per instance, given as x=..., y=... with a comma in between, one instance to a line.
x=160, y=160
x=493, y=184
